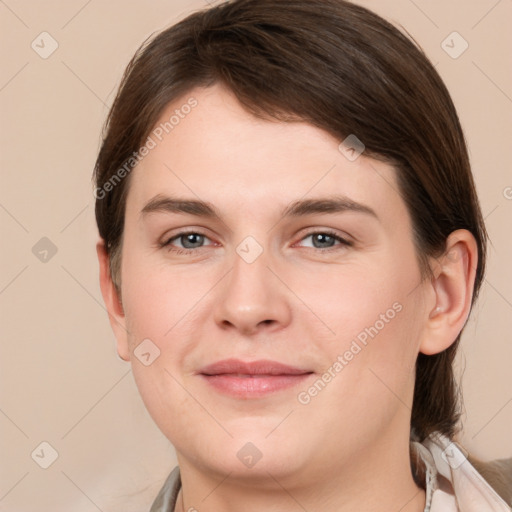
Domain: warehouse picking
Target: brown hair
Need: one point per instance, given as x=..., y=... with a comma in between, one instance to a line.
x=343, y=69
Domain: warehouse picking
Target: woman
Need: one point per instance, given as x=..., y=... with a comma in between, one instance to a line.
x=291, y=245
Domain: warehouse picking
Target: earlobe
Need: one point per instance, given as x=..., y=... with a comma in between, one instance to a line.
x=452, y=285
x=113, y=303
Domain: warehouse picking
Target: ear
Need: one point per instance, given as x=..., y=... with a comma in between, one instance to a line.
x=452, y=291
x=113, y=303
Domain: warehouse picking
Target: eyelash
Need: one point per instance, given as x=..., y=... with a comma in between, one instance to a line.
x=327, y=232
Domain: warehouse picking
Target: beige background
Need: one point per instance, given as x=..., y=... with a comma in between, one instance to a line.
x=61, y=380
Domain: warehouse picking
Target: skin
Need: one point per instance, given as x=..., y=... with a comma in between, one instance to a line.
x=348, y=448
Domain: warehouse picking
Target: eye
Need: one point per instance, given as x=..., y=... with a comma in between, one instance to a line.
x=326, y=239
x=188, y=240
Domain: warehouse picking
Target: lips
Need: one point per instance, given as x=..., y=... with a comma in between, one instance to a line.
x=252, y=379
x=253, y=368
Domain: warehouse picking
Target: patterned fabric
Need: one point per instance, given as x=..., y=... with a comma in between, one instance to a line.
x=451, y=483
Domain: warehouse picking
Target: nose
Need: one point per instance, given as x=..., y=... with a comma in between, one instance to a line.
x=252, y=299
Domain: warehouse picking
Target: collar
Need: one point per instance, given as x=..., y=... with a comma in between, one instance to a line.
x=452, y=484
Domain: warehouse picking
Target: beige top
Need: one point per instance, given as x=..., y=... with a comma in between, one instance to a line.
x=452, y=484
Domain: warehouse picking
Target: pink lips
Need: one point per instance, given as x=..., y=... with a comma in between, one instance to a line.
x=252, y=379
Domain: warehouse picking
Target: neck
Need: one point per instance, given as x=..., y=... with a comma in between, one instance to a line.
x=377, y=480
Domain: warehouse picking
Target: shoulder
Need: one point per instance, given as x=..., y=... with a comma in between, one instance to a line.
x=457, y=482
x=498, y=474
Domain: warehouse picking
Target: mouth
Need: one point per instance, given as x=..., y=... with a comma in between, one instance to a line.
x=252, y=379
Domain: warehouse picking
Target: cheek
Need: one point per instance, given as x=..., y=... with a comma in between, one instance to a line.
x=171, y=408
x=372, y=314
x=157, y=300
x=157, y=308
x=349, y=299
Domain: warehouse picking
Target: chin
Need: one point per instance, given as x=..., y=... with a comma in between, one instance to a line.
x=255, y=455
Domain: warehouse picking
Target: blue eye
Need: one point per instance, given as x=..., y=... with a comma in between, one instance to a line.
x=322, y=241
x=326, y=240
x=189, y=240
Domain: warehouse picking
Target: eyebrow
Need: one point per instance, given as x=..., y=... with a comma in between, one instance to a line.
x=300, y=208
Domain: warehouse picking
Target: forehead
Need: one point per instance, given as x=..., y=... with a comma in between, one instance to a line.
x=220, y=153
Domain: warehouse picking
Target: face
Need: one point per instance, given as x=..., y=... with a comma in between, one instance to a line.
x=281, y=320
